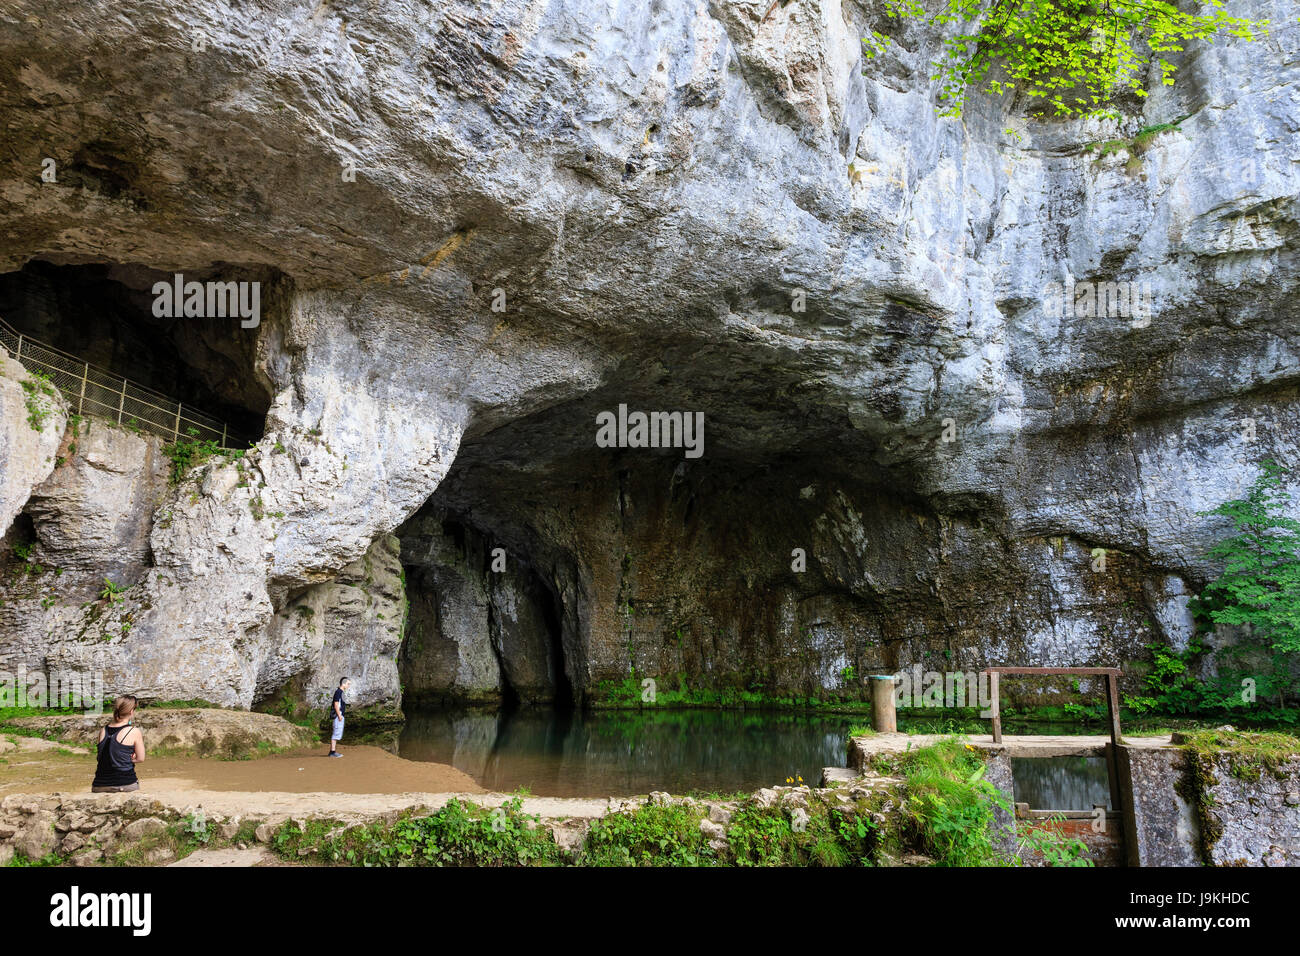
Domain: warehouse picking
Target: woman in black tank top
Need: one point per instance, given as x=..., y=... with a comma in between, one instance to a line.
x=121, y=747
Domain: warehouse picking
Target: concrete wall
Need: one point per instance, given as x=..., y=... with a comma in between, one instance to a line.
x=1253, y=816
x=1159, y=816
x=1189, y=809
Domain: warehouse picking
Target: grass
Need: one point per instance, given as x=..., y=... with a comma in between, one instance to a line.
x=1088, y=717
x=192, y=704
x=1141, y=141
x=668, y=835
x=9, y=714
x=1249, y=754
x=40, y=399
x=949, y=805
x=182, y=836
x=189, y=452
x=50, y=859
x=458, y=834
x=627, y=695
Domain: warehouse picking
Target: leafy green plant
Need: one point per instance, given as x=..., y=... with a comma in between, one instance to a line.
x=458, y=834
x=111, y=591
x=1174, y=687
x=1260, y=585
x=1075, y=55
x=950, y=803
x=1051, y=843
x=187, y=453
x=759, y=838
x=39, y=399
x=649, y=836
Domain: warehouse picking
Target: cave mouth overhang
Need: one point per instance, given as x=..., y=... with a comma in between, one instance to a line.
x=198, y=348
x=567, y=504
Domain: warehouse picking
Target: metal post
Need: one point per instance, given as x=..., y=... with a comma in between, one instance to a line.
x=121, y=402
x=19, y=354
x=177, y=430
x=995, y=707
x=223, y=434
x=81, y=399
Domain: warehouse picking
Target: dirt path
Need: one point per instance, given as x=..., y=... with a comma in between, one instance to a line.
x=277, y=806
x=366, y=782
x=252, y=856
x=37, y=766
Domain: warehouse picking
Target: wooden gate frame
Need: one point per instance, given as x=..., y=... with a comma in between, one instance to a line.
x=1112, y=675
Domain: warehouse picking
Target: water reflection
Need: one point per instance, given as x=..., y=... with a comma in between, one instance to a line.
x=1061, y=783
x=621, y=753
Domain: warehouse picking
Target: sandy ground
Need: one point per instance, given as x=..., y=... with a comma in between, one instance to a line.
x=360, y=770
x=367, y=781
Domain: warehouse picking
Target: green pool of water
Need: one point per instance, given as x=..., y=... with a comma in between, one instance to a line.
x=621, y=753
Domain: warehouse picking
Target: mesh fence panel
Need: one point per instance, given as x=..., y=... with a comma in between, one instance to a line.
x=95, y=391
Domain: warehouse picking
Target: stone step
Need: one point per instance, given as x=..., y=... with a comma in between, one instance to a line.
x=838, y=776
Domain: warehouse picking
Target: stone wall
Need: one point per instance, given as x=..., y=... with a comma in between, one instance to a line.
x=1220, y=809
x=1161, y=825
x=1251, y=811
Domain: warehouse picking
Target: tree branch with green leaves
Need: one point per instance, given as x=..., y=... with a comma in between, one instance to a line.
x=1077, y=55
x=1259, y=588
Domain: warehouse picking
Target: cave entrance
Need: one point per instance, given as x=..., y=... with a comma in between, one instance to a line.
x=483, y=626
x=92, y=327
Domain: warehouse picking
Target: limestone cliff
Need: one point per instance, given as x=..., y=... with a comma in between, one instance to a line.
x=479, y=226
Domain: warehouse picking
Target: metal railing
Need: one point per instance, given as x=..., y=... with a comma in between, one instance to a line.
x=91, y=390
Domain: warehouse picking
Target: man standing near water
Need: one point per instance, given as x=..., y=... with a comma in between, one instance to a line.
x=340, y=709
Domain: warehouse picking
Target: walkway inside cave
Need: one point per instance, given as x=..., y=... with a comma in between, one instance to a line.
x=91, y=325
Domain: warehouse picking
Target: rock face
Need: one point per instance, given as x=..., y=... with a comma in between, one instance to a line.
x=86, y=525
x=92, y=516
x=447, y=656
x=481, y=629
x=499, y=222
x=350, y=627
x=31, y=424
x=206, y=733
